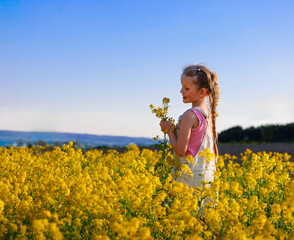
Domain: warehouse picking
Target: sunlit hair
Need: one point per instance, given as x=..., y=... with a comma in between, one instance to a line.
x=203, y=77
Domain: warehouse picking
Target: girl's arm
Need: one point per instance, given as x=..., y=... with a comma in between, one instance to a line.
x=180, y=144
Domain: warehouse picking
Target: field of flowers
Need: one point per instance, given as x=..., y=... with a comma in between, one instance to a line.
x=67, y=194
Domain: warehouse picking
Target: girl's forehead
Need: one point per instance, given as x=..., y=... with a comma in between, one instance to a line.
x=187, y=79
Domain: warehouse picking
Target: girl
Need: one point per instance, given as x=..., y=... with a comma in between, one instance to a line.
x=196, y=127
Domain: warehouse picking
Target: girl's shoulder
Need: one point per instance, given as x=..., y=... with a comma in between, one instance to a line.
x=191, y=117
x=194, y=112
x=198, y=110
x=186, y=113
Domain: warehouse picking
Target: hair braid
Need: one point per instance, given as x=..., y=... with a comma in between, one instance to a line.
x=213, y=99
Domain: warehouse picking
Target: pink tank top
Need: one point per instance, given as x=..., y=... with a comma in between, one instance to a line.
x=197, y=134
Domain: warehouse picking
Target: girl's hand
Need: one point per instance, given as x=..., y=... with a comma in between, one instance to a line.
x=166, y=126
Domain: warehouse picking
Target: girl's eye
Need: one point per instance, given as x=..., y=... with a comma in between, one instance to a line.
x=186, y=89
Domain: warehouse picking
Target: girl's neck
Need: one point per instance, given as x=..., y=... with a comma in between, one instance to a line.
x=201, y=105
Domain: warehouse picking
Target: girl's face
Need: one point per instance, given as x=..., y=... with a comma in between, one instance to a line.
x=190, y=92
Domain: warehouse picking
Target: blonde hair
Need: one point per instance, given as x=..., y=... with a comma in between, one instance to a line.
x=204, y=78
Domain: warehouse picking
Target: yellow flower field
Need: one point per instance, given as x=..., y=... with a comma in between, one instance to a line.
x=67, y=194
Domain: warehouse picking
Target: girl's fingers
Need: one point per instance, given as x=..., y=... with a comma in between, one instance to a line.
x=161, y=123
x=165, y=126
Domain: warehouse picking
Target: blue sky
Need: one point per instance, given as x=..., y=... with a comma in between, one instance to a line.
x=96, y=66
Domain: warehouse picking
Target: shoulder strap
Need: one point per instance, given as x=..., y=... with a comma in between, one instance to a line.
x=201, y=110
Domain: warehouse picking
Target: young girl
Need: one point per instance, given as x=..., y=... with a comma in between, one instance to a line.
x=196, y=127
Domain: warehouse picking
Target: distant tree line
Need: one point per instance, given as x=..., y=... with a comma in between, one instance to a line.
x=266, y=134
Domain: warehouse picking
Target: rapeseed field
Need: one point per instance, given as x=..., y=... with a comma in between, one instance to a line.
x=67, y=194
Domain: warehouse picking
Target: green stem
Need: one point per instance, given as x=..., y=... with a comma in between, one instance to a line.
x=164, y=152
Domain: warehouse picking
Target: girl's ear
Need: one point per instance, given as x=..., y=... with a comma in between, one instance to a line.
x=203, y=92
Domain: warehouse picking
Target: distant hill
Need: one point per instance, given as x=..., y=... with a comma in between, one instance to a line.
x=262, y=134
x=19, y=138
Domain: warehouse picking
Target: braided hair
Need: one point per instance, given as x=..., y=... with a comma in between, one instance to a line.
x=203, y=77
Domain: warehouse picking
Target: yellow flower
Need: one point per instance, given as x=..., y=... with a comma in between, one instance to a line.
x=190, y=159
x=165, y=100
x=195, y=237
x=275, y=209
x=155, y=138
x=185, y=169
x=40, y=225
x=146, y=233
x=1, y=206
x=260, y=221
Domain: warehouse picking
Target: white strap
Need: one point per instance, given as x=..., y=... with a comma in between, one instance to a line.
x=199, y=109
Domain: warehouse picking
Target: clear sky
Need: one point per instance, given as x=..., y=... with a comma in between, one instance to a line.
x=95, y=66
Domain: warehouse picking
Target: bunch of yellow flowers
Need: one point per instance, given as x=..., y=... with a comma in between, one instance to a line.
x=161, y=112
